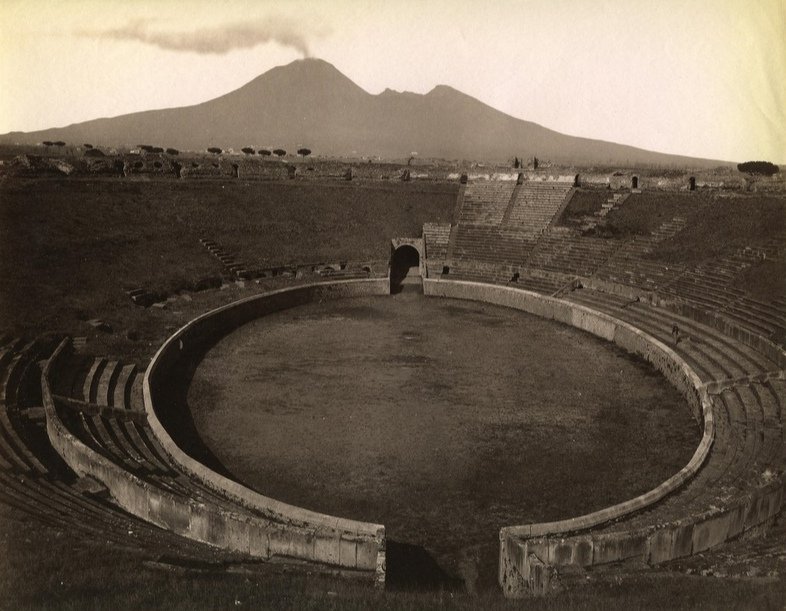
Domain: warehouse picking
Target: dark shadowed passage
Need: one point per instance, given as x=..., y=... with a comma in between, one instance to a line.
x=403, y=263
x=442, y=419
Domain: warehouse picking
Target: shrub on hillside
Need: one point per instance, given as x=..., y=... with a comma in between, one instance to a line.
x=215, y=150
x=279, y=152
x=247, y=150
x=304, y=152
x=265, y=152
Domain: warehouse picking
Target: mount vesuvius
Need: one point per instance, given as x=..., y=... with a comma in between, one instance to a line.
x=310, y=103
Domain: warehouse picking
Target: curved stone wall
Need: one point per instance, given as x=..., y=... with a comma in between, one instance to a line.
x=530, y=553
x=256, y=525
x=264, y=527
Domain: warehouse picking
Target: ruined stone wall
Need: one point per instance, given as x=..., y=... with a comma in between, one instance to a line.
x=530, y=553
x=256, y=525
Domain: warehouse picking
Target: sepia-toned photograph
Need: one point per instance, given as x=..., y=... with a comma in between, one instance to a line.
x=393, y=305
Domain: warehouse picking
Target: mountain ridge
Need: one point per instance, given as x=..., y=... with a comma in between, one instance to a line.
x=311, y=103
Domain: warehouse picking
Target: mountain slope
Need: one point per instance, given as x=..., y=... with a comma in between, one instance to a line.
x=310, y=103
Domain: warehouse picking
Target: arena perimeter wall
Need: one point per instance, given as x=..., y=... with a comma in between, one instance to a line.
x=527, y=551
x=530, y=553
x=261, y=526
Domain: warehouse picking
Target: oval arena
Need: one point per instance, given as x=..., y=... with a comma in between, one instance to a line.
x=504, y=398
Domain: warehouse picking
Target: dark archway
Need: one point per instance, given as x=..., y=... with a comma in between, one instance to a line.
x=634, y=182
x=692, y=183
x=405, y=258
x=577, y=180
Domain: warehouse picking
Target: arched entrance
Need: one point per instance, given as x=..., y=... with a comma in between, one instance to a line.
x=634, y=182
x=404, y=263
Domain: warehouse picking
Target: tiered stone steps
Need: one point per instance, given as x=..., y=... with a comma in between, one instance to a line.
x=710, y=286
x=564, y=251
x=17, y=370
x=617, y=199
x=436, y=237
x=492, y=245
x=34, y=482
x=766, y=319
x=748, y=447
x=536, y=205
x=232, y=265
x=485, y=202
x=709, y=283
x=629, y=265
x=118, y=431
x=713, y=355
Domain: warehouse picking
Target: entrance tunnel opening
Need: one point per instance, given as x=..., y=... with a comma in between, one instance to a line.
x=404, y=263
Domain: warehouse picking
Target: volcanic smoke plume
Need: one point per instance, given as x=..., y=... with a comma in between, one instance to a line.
x=219, y=39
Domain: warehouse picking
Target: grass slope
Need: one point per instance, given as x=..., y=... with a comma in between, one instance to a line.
x=69, y=247
x=585, y=202
x=728, y=223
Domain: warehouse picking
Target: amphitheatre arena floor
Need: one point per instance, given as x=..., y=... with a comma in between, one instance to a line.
x=442, y=419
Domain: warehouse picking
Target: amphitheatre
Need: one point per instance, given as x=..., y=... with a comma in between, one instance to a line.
x=488, y=380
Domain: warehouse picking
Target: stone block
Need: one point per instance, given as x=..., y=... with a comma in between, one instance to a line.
x=575, y=550
x=366, y=555
x=258, y=541
x=326, y=548
x=175, y=514
x=237, y=533
x=613, y=547
x=737, y=517
x=199, y=524
x=539, y=580
x=660, y=544
x=710, y=532
x=347, y=553
x=292, y=542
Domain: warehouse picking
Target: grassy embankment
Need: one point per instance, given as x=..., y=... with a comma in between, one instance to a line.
x=69, y=248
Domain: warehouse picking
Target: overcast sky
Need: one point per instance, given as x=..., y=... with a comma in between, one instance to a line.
x=705, y=78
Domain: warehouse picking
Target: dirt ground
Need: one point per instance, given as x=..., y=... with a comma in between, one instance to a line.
x=442, y=419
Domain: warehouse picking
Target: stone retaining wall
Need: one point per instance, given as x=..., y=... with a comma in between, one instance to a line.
x=528, y=552
x=260, y=526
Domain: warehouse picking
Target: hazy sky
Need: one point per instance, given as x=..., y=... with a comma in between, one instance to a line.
x=694, y=77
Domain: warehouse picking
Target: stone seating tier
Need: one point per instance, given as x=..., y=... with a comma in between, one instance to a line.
x=492, y=245
x=567, y=252
x=126, y=442
x=485, y=203
x=437, y=238
x=536, y=205
x=712, y=355
x=17, y=364
x=37, y=484
x=749, y=436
